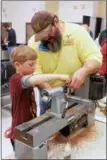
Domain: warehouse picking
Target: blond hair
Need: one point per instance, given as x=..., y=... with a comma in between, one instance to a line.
x=23, y=53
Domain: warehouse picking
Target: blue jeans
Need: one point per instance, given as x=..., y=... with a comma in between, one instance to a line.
x=9, y=51
x=41, y=105
x=44, y=106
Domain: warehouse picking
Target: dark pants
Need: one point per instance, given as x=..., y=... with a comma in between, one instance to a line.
x=13, y=144
x=10, y=48
x=44, y=106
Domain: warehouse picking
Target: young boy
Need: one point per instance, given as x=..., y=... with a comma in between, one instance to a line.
x=21, y=87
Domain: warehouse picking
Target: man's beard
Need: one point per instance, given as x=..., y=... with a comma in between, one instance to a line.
x=56, y=44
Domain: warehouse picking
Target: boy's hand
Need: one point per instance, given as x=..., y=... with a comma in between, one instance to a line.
x=7, y=133
x=68, y=80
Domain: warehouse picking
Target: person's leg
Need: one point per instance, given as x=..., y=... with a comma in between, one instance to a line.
x=44, y=106
x=41, y=105
x=13, y=144
x=9, y=51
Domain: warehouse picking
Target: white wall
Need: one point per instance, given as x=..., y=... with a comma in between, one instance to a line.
x=20, y=12
x=73, y=11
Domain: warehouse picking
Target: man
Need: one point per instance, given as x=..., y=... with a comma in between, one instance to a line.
x=86, y=26
x=63, y=48
x=103, y=45
x=11, y=39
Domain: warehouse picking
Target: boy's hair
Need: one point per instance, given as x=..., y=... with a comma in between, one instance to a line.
x=5, y=25
x=23, y=53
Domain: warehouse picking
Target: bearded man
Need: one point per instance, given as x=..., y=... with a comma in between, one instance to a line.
x=64, y=48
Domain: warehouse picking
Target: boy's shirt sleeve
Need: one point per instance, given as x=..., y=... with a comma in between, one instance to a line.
x=15, y=83
x=21, y=82
x=87, y=49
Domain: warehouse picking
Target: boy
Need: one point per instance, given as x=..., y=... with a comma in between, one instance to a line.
x=20, y=85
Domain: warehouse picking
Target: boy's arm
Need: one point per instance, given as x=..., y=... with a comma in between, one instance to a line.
x=37, y=79
x=45, y=85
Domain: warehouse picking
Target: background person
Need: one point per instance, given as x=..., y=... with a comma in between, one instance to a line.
x=103, y=45
x=86, y=26
x=10, y=41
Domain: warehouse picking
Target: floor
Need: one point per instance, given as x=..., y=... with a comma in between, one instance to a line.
x=6, y=145
x=88, y=144
x=79, y=151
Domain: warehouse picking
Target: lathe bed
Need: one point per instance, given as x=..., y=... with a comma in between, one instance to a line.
x=68, y=112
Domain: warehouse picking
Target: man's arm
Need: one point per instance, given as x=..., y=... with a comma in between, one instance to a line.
x=6, y=40
x=90, y=56
x=91, y=66
x=79, y=77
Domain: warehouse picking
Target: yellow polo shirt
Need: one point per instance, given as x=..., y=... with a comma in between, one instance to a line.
x=77, y=47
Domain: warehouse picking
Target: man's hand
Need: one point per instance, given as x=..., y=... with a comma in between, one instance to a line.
x=78, y=78
x=6, y=41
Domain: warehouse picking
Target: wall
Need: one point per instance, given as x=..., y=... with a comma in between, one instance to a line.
x=73, y=11
x=101, y=8
x=20, y=12
x=52, y=6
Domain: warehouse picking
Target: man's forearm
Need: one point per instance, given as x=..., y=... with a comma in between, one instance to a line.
x=79, y=77
x=91, y=66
